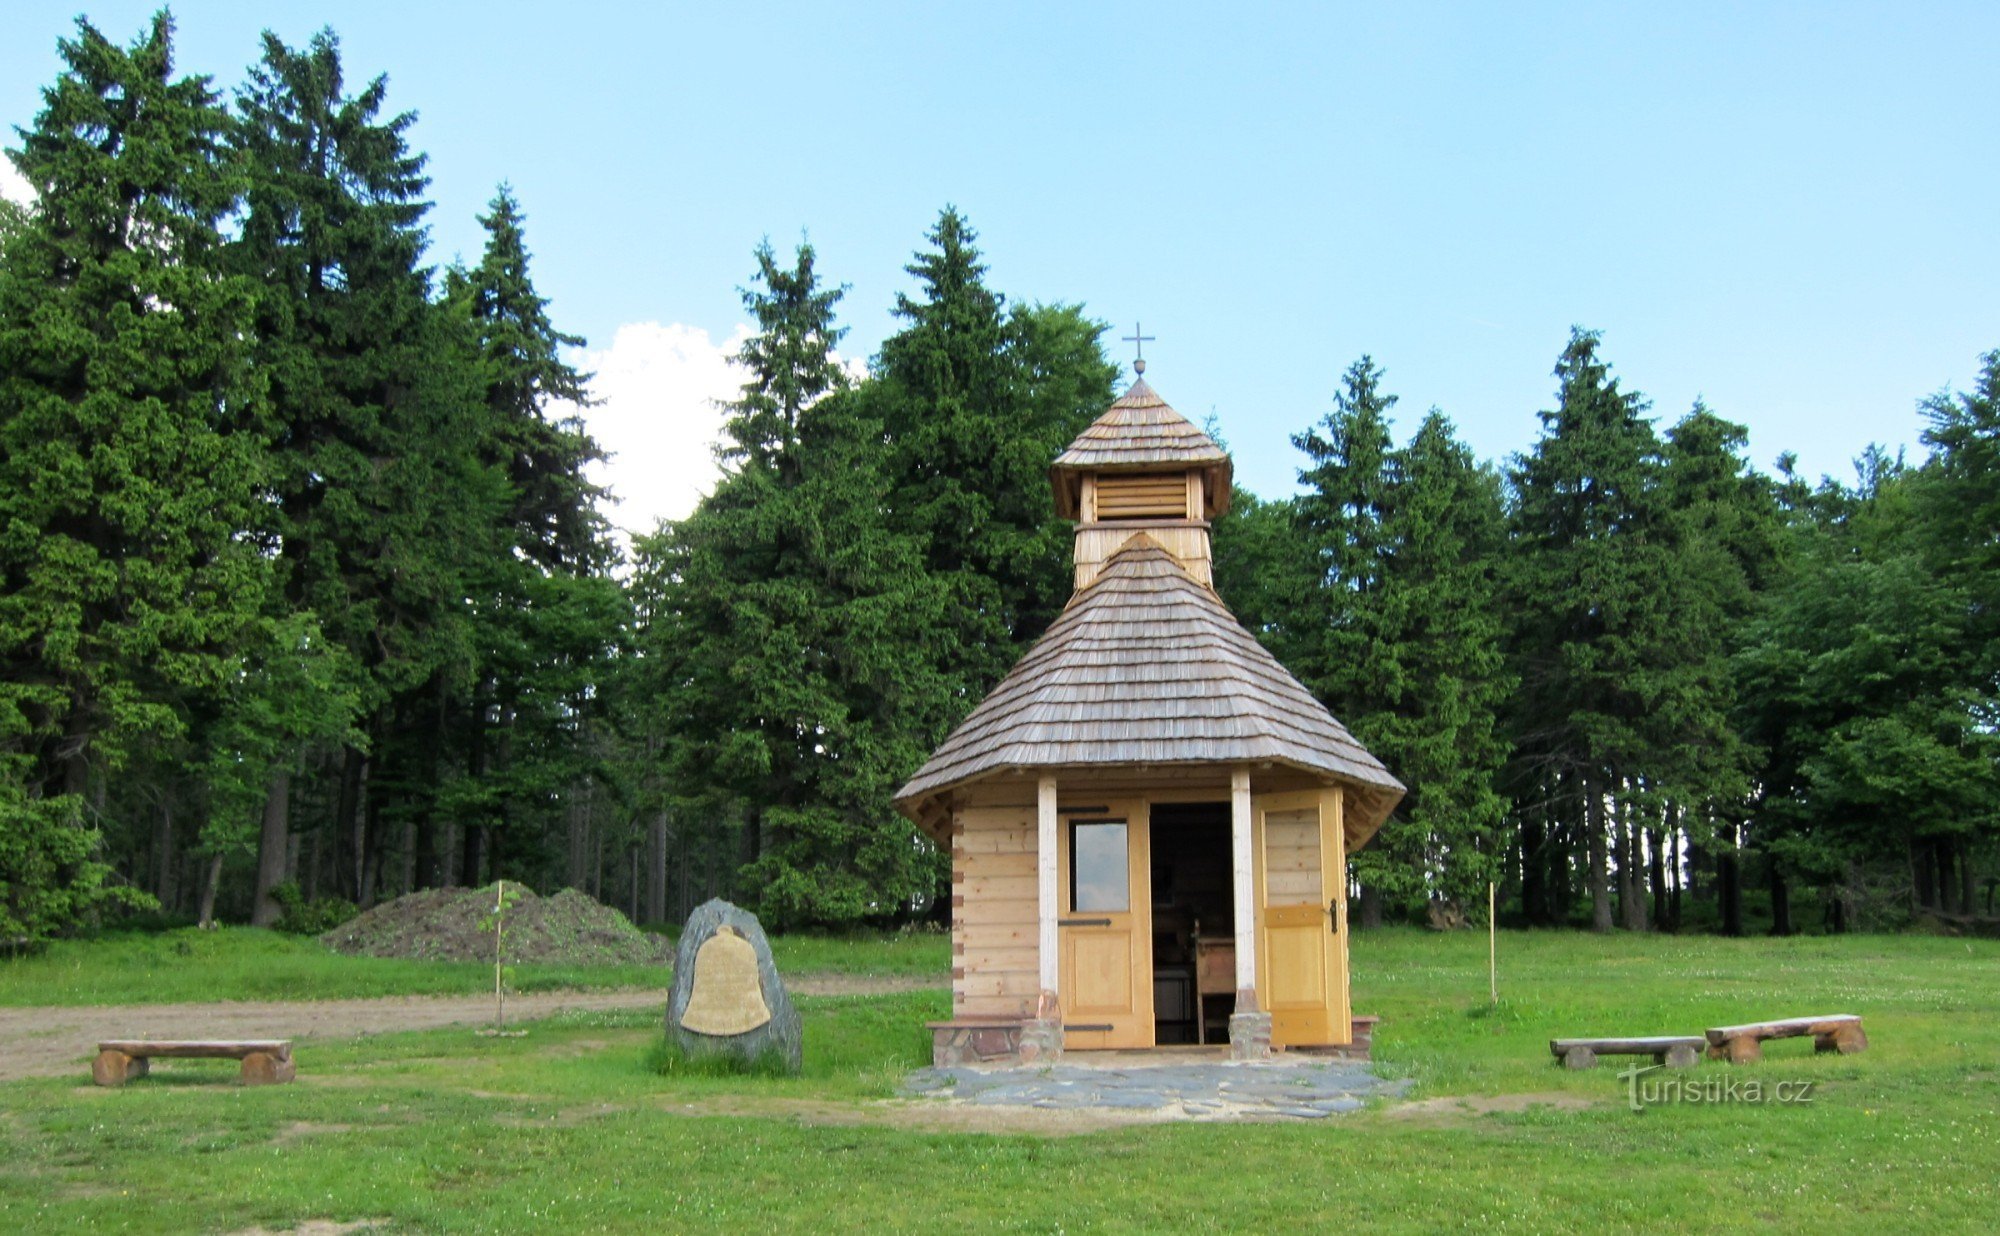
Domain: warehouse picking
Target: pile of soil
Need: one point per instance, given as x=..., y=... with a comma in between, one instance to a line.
x=456, y=924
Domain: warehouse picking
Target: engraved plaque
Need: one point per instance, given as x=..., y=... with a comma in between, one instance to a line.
x=728, y=997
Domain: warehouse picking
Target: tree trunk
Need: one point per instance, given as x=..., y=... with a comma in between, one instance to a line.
x=208, y=889
x=1729, y=886
x=656, y=888
x=358, y=827
x=468, y=863
x=1781, y=902
x=1534, y=889
x=271, y=848
x=1631, y=871
x=1679, y=874
x=1968, y=891
x=424, y=853
x=163, y=855
x=1655, y=843
x=1371, y=908
x=1600, y=873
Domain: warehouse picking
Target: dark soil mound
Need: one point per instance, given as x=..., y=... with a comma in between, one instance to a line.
x=456, y=924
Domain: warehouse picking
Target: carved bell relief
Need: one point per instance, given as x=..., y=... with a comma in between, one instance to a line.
x=728, y=995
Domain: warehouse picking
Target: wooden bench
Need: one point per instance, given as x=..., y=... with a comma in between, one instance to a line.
x=1674, y=1051
x=265, y=1061
x=1839, y=1032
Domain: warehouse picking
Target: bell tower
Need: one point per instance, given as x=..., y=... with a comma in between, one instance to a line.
x=1142, y=468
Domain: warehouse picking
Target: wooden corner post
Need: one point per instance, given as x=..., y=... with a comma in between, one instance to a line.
x=1244, y=886
x=1249, y=1026
x=1046, y=841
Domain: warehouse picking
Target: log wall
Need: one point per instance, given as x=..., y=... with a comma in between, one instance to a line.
x=995, y=969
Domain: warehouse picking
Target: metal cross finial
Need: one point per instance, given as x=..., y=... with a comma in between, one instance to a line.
x=1138, y=339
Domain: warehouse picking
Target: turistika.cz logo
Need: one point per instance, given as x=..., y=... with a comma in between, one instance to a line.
x=1643, y=1091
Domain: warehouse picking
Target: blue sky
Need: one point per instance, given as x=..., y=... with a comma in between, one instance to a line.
x=1784, y=209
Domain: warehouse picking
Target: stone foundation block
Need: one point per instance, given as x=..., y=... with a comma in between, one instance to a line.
x=1249, y=1036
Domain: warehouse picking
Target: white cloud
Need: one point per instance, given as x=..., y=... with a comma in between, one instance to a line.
x=658, y=389
x=14, y=186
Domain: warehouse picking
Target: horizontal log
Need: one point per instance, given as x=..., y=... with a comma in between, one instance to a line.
x=1651, y=1046
x=994, y=863
x=192, y=1049
x=1789, y=1027
x=994, y=911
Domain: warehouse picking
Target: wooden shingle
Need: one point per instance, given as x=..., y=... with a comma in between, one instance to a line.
x=1147, y=666
x=1140, y=433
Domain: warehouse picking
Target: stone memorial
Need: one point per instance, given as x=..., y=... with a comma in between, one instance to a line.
x=727, y=997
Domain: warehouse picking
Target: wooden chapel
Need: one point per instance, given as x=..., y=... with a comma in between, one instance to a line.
x=1148, y=818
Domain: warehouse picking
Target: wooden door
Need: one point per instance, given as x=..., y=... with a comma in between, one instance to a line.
x=1301, y=889
x=1105, y=931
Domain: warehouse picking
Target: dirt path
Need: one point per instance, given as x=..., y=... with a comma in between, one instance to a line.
x=54, y=1041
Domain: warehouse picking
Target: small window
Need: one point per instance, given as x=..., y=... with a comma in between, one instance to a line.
x=1143, y=495
x=1099, y=876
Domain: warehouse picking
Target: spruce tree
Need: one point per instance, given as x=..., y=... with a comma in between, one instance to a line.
x=795, y=631
x=1399, y=635
x=379, y=419
x=975, y=401
x=125, y=472
x=1441, y=661
x=1587, y=568
x=1339, y=646
x=544, y=617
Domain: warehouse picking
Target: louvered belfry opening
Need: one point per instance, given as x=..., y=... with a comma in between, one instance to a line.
x=1143, y=495
x=1141, y=468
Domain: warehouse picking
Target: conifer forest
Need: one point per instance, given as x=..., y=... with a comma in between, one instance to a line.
x=306, y=596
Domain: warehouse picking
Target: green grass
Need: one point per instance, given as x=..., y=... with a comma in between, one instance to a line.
x=569, y=1129
x=241, y=963
x=915, y=952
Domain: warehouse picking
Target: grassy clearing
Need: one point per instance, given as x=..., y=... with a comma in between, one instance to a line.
x=569, y=1128
x=242, y=963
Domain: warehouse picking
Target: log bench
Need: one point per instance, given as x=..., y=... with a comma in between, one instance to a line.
x=1674, y=1051
x=265, y=1061
x=1839, y=1032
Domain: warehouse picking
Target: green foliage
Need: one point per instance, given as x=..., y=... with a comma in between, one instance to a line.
x=1856, y=686
x=1398, y=632
x=309, y=918
x=791, y=626
x=125, y=473
x=293, y=533
x=52, y=874
x=974, y=401
x=1263, y=570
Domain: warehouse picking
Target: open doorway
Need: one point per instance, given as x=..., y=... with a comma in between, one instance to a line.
x=1194, y=916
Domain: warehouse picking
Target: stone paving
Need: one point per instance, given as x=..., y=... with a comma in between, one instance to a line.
x=1207, y=1090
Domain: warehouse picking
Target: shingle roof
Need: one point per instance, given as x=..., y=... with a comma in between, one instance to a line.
x=1140, y=433
x=1147, y=666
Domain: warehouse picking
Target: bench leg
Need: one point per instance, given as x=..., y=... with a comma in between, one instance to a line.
x=1579, y=1058
x=115, y=1068
x=1847, y=1040
x=1679, y=1057
x=1743, y=1050
x=262, y=1068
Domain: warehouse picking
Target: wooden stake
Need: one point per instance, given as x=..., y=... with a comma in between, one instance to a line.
x=499, y=935
x=1492, y=950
